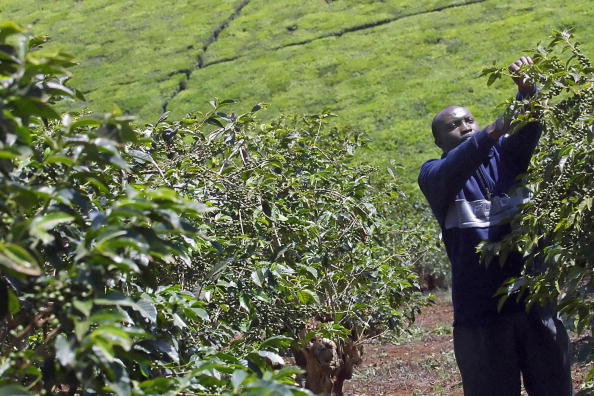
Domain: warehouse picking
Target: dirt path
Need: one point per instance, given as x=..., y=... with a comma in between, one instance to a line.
x=419, y=363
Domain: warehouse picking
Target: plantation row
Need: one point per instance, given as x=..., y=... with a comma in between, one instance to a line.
x=189, y=256
x=554, y=229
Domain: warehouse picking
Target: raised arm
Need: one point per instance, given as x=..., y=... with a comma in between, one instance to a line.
x=465, y=146
x=525, y=90
x=518, y=148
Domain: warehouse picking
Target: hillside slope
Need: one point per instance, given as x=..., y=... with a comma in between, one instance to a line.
x=383, y=66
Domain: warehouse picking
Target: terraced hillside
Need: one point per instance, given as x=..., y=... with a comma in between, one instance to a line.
x=383, y=66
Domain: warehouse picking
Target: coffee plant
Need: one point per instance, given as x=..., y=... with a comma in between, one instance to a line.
x=554, y=230
x=189, y=256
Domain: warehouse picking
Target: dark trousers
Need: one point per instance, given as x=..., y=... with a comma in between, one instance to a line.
x=535, y=345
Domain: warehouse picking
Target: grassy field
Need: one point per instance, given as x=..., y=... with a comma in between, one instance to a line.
x=383, y=66
x=131, y=53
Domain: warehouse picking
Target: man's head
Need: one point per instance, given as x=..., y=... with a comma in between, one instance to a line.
x=452, y=126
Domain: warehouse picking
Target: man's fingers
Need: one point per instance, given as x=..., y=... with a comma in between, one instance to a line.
x=524, y=60
x=524, y=86
x=514, y=67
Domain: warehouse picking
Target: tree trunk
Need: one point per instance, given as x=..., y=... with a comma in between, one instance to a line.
x=328, y=364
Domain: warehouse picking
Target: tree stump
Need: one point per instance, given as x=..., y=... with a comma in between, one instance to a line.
x=328, y=364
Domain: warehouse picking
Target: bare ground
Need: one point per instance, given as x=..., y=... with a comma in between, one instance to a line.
x=420, y=362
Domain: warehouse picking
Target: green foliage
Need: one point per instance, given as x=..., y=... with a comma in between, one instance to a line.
x=388, y=80
x=85, y=255
x=184, y=257
x=555, y=228
x=131, y=54
x=271, y=25
x=301, y=226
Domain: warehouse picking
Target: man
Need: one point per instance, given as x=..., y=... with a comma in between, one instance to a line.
x=473, y=190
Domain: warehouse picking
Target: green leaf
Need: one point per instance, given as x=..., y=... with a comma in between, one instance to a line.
x=167, y=349
x=141, y=155
x=264, y=387
x=158, y=386
x=274, y=358
x=98, y=184
x=119, y=380
x=64, y=352
x=142, y=306
x=243, y=303
x=311, y=270
x=237, y=379
x=57, y=89
x=80, y=328
x=110, y=336
x=34, y=106
x=84, y=306
x=257, y=277
x=178, y=321
x=280, y=341
x=5, y=154
x=9, y=28
x=493, y=77
x=14, y=305
x=590, y=376
x=146, y=309
x=52, y=159
x=114, y=298
x=287, y=372
x=307, y=296
x=14, y=390
x=103, y=350
x=202, y=314
x=116, y=160
x=41, y=225
x=17, y=259
x=107, y=316
x=85, y=122
x=215, y=122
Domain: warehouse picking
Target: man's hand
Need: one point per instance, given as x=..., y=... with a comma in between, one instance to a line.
x=524, y=86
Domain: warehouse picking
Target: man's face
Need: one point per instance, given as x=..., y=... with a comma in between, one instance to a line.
x=454, y=124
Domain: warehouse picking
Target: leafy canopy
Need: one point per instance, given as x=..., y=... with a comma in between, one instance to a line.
x=554, y=230
x=183, y=256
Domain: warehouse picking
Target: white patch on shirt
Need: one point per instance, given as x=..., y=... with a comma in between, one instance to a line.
x=484, y=213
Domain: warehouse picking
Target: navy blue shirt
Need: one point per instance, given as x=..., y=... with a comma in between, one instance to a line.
x=473, y=190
